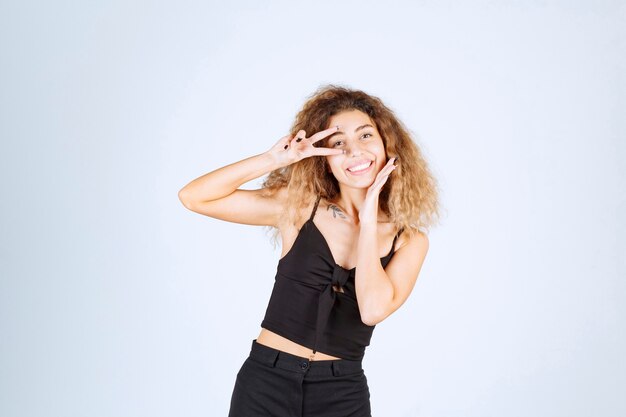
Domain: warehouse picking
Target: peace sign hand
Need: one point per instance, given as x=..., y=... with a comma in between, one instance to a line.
x=292, y=149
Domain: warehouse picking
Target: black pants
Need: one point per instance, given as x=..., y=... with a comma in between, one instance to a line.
x=275, y=383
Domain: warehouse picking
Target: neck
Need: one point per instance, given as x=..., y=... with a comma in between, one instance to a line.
x=350, y=201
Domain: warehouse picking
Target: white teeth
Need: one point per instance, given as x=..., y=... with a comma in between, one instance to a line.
x=360, y=167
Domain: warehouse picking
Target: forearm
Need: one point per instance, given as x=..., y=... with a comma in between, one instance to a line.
x=223, y=181
x=374, y=290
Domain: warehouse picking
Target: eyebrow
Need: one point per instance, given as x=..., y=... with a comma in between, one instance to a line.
x=355, y=130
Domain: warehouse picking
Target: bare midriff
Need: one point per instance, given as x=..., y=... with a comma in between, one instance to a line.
x=273, y=340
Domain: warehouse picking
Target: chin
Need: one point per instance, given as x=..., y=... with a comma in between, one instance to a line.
x=359, y=184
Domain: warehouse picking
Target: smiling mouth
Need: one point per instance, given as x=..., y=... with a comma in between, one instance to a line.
x=360, y=168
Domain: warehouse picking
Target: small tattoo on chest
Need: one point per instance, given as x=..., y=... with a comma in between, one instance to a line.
x=336, y=211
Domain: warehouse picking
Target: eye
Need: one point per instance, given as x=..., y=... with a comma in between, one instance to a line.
x=335, y=144
x=364, y=134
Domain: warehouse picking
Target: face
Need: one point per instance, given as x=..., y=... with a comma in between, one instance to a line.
x=364, y=152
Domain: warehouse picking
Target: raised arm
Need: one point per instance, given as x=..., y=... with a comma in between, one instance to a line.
x=217, y=193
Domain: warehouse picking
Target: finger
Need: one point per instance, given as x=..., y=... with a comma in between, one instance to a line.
x=385, y=172
x=390, y=170
x=382, y=180
x=297, y=138
x=300, y=135
x=322, y=134
x=327, y=151
x=378, y=185
x=285, y=140
x=390, y=163
x=386, y=168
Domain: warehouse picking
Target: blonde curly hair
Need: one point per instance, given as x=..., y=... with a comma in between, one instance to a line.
x=410, y=196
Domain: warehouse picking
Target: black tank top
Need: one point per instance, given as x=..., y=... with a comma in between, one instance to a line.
x=306, y=309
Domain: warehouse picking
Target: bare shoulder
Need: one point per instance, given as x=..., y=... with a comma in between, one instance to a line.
x=291, y=221
x=409, y=256
x=292, y=218
x=419, y=241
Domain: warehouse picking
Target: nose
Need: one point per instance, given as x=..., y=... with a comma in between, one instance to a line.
x=354, y=149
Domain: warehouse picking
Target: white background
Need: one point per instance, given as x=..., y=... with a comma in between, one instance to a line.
x=117, y=301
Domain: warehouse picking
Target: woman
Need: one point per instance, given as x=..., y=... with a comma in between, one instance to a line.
x=348, y=191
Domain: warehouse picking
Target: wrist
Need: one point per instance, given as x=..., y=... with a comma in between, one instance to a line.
x=272, y=160
x=367, y=225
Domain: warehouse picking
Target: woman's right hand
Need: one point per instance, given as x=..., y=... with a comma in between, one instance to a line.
x=290, y=149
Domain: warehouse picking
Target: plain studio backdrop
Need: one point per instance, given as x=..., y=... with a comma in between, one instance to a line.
x=115, y=300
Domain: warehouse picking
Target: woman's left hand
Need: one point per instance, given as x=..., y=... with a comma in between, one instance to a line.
x=369, y=211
